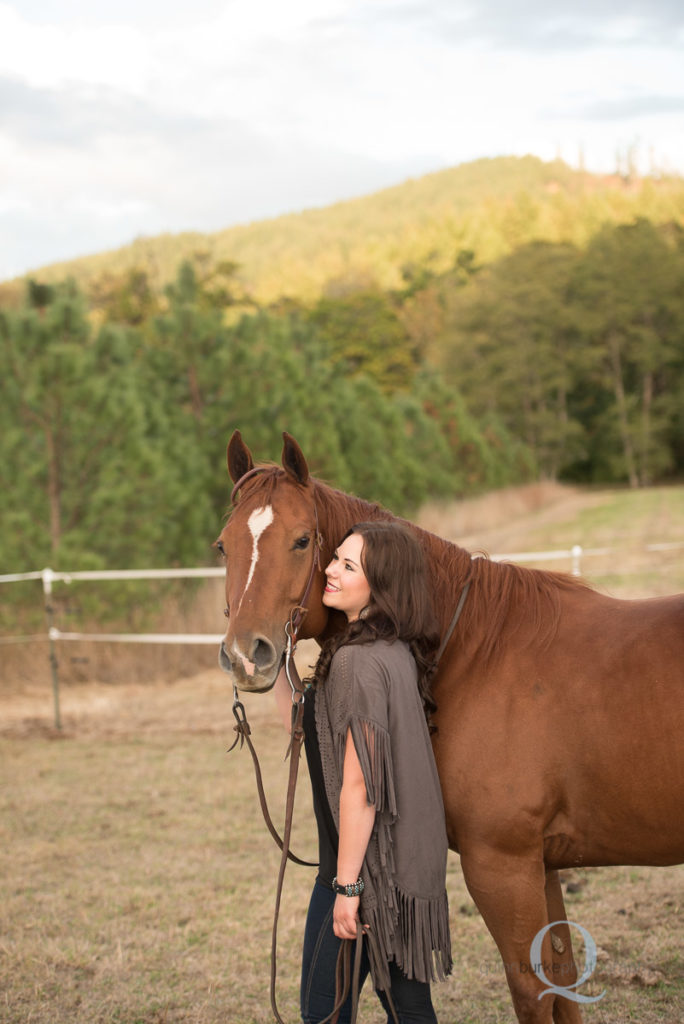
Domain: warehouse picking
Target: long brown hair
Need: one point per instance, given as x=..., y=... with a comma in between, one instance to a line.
x=400, y=605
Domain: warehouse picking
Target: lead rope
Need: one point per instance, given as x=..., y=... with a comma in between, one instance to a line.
x=294, y=750
x=454, y=620
x=243, y=730
x=345, y=978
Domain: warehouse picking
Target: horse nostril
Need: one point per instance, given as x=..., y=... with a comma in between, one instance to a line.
x=224, y=659
x=263, y=653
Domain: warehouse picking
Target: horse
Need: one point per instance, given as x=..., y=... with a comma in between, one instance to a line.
x=560, y=710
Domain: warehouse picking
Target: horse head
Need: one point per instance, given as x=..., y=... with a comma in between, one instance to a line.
x=272, y=548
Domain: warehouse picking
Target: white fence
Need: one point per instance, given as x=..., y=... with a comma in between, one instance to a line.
x=53, y=634
x=573, y=556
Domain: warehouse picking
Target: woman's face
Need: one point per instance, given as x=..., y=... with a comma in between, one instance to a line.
x=347, y=587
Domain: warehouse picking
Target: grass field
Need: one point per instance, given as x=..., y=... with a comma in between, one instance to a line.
x=137, y=878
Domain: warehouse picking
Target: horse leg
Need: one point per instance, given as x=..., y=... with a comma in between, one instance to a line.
x=564, y=971
x=510, y=893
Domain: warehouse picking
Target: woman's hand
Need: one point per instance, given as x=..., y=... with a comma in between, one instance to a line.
x=346, y=916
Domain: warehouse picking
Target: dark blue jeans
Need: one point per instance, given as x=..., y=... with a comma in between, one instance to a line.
x=411, y=998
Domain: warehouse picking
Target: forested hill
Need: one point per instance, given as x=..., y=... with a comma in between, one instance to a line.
x=500, y=322
x=487, y=207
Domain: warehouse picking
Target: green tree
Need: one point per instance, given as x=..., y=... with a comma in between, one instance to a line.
x=275, y=375
x=282, y=375
x=124, y=298
x=98, y=477
x=482, y=454
x=509, y=346
x=188, y=338
x=364, y=333
x=627, y=303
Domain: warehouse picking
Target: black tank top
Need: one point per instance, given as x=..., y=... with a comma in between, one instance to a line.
x=327, y=833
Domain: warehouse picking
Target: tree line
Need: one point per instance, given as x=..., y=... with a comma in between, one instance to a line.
x=579, y=352
x=113, y=436
x=554, y=362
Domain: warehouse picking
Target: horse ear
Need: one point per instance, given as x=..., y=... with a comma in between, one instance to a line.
x=239, y=457
x=293, y=459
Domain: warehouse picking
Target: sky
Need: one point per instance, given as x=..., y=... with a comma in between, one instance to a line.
x=128, y=119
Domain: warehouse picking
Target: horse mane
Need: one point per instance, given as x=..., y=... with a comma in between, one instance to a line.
x=512, y=599
x=503, y=599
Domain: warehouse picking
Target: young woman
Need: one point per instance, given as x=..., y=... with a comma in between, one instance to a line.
x=376, y=794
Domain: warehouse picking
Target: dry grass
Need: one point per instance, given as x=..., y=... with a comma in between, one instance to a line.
x=198, y=609
x=457, y=520
x=138, y=879
x=549, y=517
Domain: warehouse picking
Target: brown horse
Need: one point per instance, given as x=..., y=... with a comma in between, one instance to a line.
x=560, y=710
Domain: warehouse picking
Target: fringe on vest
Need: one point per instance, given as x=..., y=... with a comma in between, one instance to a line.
x=410, y=929
x=414, y=932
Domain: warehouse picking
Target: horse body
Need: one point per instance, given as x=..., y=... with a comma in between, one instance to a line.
x=560, y=710
x=561, y=755
x=583, y=735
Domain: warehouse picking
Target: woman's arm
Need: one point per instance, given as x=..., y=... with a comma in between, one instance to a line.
x=357, y=817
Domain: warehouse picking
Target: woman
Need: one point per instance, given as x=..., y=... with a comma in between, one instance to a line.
x=377, y=801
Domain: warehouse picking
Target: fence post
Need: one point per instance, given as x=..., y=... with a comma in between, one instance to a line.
x=47, y=577
x=576, y=557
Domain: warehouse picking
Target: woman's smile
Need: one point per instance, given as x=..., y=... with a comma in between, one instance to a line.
x=346, y=587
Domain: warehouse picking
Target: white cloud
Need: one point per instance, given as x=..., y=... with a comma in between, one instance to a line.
x=53, y=55
x=163, y=116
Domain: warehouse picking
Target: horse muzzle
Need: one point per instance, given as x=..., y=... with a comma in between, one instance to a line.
x=254, y=672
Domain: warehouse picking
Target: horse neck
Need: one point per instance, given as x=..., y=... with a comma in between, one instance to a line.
x=449, y=565
x=450, y=568
x=505, y=600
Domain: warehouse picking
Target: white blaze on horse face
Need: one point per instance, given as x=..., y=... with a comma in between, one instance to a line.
x=260, y=519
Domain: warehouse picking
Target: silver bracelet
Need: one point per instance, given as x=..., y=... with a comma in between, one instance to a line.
x=351, y=889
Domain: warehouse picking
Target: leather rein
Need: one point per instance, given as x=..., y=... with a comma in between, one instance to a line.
x=347, y=978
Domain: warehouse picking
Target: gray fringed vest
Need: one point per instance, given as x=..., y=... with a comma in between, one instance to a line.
x=372, y=690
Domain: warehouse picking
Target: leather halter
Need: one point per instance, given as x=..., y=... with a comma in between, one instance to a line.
x=243, y=479
x=299, y=611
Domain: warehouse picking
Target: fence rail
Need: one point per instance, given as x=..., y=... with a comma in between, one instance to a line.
x=53, y=635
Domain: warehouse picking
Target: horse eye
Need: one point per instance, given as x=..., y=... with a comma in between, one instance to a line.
x=219, y=545
x=302, y=543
